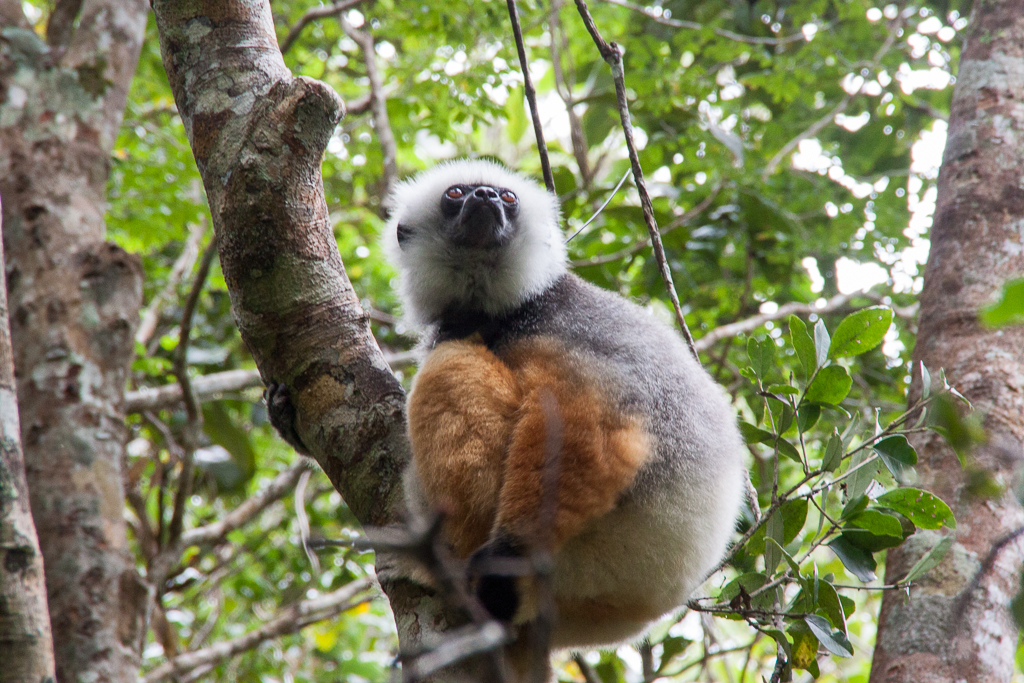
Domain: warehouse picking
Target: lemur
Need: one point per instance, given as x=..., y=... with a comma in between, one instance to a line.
x=523, y=357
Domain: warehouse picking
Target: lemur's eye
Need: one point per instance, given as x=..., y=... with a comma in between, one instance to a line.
x=508, y=197
x=454, y=193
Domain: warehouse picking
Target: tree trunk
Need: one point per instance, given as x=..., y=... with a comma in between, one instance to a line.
x=26, y=647
x=943, y=633
x=74, y=302
x=258, y=135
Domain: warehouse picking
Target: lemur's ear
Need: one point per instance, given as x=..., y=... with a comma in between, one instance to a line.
x=404, y=233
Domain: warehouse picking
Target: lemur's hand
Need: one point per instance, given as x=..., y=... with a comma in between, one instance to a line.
x=281, y=412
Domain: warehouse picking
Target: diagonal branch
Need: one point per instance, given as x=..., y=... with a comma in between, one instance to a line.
x=531, y=96
x=312, y=15
x=836, y=303
x=693, y=25
x=378, y=105
x=612, y=54
x=277, y=489
x=291, y=619
x=680, y=221
x=815, y=127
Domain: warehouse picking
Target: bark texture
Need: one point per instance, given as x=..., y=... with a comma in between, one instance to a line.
x=977, y=242
x=26, y=647
x=258, y=135
x=74, y=302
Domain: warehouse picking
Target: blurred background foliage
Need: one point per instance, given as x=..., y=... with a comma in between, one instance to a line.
x=791, y=150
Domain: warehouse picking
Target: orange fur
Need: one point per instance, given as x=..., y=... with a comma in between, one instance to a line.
x=460, y=420
x=478, y=426
x=601, y=448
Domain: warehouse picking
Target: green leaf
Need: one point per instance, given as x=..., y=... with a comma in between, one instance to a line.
x=872, y=531
x=924, y=509
x=877, y=523
x=752, y=434
x=833, y=453
x=803, y=345
x=794, y=516
x=672, y=647
x=782, y=640
x=515, y=112
x=807, y=416
x=834, y=642
x=926, y=381
x=822, y=342
x=762, y=356
x=831, y=606
x=930, y=560
x=854, y=506
x=897, y=454
x=857, y=483
x=1009, y=310
x=783, y=389
x=861, y=331
x=805, y=648
x=831, y=385
x=858, y=562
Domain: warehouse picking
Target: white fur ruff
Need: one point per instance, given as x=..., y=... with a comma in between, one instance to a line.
x=436, y=276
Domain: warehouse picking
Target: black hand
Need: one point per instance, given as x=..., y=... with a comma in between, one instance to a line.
x=281, y=412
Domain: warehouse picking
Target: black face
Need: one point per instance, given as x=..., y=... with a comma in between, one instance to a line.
x=479, y=216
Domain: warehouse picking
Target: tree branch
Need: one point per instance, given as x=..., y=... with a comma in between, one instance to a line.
x=612, y=54
x=277, y=489
x=258, y=135
x=643, y=244
x=312, y=15
x=531, y=96
x=724, y=33
x=291, y=619
x=150, y=318
x=210, y=387
x=378, y=105
x=794, y=308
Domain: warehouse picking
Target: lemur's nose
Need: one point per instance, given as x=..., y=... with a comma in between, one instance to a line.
x=486, y=192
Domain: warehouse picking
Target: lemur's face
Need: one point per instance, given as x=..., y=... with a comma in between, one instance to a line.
x=476, y=216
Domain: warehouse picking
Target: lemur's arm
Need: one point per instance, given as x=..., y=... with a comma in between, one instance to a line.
x=461, y=413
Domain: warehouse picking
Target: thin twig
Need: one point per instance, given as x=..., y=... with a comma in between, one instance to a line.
x=183, y=264
x=313, y=15
x=531, y=97
x=724, y=33
x=291, y=619
x=194, y=415
x=811, y=131
x=612, y=54
x=602, y=207
x=679, y=221
x=277, y=489
x=378, y=105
